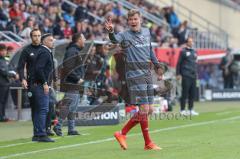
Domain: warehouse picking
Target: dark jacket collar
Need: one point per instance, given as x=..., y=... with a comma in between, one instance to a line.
x=75, y=46
x=35, y=46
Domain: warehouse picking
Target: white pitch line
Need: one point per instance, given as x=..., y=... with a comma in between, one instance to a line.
x=224, y=113
x=111, y=139
x=22, y=143
x=30, y=142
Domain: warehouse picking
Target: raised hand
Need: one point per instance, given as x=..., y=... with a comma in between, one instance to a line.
x=109, y=25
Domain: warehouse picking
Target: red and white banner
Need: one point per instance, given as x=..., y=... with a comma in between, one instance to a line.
x=170, y=56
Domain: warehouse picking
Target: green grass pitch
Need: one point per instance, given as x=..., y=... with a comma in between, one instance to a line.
x=215, y=134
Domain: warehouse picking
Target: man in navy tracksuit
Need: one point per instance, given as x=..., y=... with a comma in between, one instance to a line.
x=26, y=63
x=44, y=68
x=187, y=70
x=136, y=42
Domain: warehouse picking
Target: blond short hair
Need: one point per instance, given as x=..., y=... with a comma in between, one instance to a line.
x=132, y=12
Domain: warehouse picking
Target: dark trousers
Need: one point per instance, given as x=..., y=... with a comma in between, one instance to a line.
x=33, y=109
x=51, y=112
x=41, y=108
x=3, y=100
x=228, y=81
x=49, y=116
x=32, y=103
x=188, y=92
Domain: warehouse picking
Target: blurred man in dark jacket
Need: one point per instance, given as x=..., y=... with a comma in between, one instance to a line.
x=44, y=68
x=75, y=77
x=4, y=82
x=227, y=74
x=187, y=71
x=5, y=74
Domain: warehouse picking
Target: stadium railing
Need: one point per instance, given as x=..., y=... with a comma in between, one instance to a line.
x=9, y=36
x=215, y=34
x=19, y=101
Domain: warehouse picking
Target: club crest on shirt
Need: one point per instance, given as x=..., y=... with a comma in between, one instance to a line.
x=188, y=53
x=31, y=54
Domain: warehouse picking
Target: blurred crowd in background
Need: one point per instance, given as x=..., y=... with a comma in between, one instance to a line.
x=61, y=19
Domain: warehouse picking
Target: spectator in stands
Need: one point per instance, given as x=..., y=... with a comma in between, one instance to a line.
x=159, y=34
x=81, y=12
x=167, y=14
x=91, y=5
x=25, y=14
x=47, y=26
x=49, y=11
x=53, y=12
x=16, y=25
x=78, y=27
x=68, y=31
x=3, y=16
x=117, y=67
x=68, y=17
x=119, y=24
x=108, y=8
x=26, y=31
x=98, y=6
x=15, y=11
x=183, y=33
x=10, y=52
x=104, y=79
x=173, y=43
x=40, y=16
x=97, y=31
x=117, y=10
x=156, y=11
x=167, y=40
x=85, y=29
x=102, y=52
x=58, y=30
x=172, y=19
x=32, y=10
x=93, y=66
x=6, y=8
